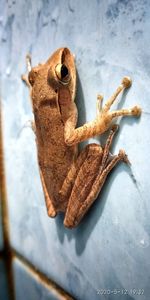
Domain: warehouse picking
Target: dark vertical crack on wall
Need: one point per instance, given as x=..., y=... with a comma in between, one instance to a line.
x=43, y=279
x=6, y=253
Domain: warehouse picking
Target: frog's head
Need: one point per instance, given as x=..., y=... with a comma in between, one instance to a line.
x=62, y=71
x=57, y=74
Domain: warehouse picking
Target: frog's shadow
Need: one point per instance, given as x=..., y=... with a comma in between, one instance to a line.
x=83, y=231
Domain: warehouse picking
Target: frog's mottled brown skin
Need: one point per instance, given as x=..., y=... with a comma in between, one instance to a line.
x=71, y=181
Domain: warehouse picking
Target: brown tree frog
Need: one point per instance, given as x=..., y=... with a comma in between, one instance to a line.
x=71, y=181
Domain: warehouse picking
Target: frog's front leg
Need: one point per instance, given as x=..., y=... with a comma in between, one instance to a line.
x=24, y=77
x=102, y=122
x=87, y=179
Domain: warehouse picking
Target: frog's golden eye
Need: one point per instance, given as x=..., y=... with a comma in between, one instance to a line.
x=62, y=73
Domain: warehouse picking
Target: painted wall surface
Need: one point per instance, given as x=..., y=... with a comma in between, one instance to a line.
x=111, y=248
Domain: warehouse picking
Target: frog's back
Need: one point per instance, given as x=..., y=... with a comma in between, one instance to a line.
x=53, y=91
x=54, y=156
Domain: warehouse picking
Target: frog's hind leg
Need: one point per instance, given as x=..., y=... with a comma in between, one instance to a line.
x=90, y=179
x=68, y=183
x=102, y=154
x=72, y=174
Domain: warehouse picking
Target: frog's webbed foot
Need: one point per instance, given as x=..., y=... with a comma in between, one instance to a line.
x=24, y=77
x=134, y=111
x=89, y=178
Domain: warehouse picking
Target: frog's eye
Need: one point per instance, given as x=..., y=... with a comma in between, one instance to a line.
x=62, y=73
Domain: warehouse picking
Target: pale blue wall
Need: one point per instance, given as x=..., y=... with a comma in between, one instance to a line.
x=111, y=248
